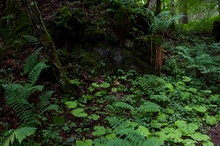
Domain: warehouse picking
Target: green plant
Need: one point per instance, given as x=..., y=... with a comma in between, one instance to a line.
x=18, y=134
x=17, y=96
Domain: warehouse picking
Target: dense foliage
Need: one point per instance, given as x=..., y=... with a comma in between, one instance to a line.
x=175, y=101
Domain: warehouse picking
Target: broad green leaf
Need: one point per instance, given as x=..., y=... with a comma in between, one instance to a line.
x=100, y=93
x=162, y=117
x=75, y=82
x=200, y=137
x=161, y=135
x=95, y=85
x=58, y=120
x=114, y=90
x=155, y=124
x=182, y=125
x=94, y=117
x=207, y=143
x=188, y=142
x=88, y=97
x=104, y=85
x=186, y=79
x=87, y=142
x=99, y=131
x=169, y=86
x=192, y=127
x=143, y=131
x=201, y=109
x=211, y=120
x=71, y=104
x=79, y=112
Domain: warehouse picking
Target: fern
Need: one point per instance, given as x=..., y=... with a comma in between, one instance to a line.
x=35, y=72
x=16, y=96
x=150, y=84
x=123, y=105
x=19, y=134
x=44, y=100
x=119, y=142
x=31, y=39
x=148, y=107
x=31, y=61
x=126, y=133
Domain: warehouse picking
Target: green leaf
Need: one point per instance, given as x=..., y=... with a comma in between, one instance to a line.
x=89, y=97
x=99, y=131
x=71, y=104
x=186, y=79
x=94, y=117
x=95, y=85
x=188, y=142
x=75, y=82
x=211, y=120
x=201, y=109
x=79, y=112
x=87, y=142
x=200, y=137
x=207, y=143
x=143, y=131
x=23, y=132
x=192, y=127
x=104, y=85
x=58, y=120
x=169, y=86
x=114, y=90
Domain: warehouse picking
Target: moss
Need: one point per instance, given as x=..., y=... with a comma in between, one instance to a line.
x=63, y=16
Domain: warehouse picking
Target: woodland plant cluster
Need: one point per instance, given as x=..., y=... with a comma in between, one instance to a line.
x=126, y=109
x=176, y=106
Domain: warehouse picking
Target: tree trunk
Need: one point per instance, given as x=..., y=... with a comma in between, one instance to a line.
x=150, y=5
x=158, y=7
x=218, y=7
x=172, y=26
x=183, y=11
x=48, y=44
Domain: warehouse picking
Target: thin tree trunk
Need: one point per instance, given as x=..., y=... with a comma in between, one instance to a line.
x=172, y=26
x=48, y=44
x=150, y=5
x=218, y=7
x=158, y=7
x=183, y=11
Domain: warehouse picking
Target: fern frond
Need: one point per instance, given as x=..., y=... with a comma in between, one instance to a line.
x=35, y=72
x=16, y=96
x=31, y=61
x=119, y=142
x=123, y=105
x=44, y=100
x=102, y=141
x=20, y=134
x=148, y=107
x=31, y=39
x=114, y=122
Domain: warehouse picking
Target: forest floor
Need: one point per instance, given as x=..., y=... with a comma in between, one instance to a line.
x=12, y=67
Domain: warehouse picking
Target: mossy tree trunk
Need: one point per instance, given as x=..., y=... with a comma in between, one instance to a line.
x=150, y=5
x=48, y=44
